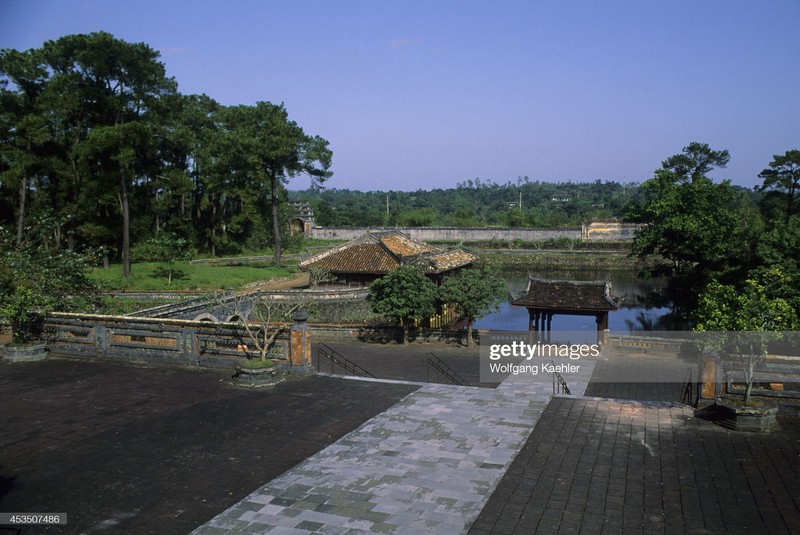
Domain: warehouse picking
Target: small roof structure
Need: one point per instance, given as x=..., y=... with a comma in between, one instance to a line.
x=544, y=299
x=568, y=296
x=382, y=252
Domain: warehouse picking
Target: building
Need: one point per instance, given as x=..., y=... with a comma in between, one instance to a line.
x=374, y=254
x=544, y=299
x=303, y=220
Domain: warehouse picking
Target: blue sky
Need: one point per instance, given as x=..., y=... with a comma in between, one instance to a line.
x=423, y=94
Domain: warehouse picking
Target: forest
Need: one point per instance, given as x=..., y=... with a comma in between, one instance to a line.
x=473, y=203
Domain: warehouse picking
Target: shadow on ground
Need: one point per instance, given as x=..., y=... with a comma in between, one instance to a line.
x=153, y=449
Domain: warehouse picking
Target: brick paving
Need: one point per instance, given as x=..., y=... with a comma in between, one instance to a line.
x=156, y=449
x=609, y=466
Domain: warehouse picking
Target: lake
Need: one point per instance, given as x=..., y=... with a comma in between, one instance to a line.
x=643, y=307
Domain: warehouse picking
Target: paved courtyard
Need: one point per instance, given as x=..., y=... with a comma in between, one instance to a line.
x=599, y=466
x=151, y=449
x=157, y=449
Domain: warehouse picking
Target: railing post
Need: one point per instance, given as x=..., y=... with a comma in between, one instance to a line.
x=300, y=340
x=101, y=338
x=709, y=379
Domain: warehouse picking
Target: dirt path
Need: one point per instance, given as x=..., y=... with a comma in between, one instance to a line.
x=300, y=281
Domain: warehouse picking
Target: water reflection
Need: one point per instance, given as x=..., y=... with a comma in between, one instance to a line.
x=644, y=305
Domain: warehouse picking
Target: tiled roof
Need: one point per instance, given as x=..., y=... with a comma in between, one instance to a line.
x=381, y=253
x=445, y=261
x=401, y=245
x=358, y=258
x=564, y=295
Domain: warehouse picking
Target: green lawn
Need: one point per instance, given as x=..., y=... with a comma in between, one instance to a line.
x=153, y=276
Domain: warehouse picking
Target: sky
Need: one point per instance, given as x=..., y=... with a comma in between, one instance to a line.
x=425, y=94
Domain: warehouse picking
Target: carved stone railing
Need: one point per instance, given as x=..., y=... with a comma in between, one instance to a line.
x=215, y=308
x=197, y=343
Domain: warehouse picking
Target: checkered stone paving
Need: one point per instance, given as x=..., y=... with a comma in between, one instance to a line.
x=426, y=465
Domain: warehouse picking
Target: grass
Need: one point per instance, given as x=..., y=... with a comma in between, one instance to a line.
x=152, y=276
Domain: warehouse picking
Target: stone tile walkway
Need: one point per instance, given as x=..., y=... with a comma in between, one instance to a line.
x=426, y=465
x=603, y=466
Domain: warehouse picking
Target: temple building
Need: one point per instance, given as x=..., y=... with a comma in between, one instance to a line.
x=360, y=261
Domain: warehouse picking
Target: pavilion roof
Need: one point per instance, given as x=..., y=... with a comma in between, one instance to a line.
x=379, y=253
x=568, y=296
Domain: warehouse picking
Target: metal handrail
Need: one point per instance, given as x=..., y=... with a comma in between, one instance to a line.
x=559, y=384
x=324, y=350
x=443, y=368
x=688, y=389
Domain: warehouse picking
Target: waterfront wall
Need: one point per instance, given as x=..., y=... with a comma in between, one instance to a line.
x=456, y=234
x=609, y=231
x=590, y=231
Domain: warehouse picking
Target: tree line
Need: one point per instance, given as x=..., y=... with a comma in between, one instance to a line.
x=473, y=203
x=98, y=146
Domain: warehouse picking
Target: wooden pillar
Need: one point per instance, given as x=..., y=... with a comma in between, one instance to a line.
x=549, y=321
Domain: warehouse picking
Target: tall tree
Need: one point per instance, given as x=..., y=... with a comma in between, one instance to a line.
x=108, y=89
x=702, y=230
x=783, y=176
x=278, y=150
x=23, y=126
x=696, y=161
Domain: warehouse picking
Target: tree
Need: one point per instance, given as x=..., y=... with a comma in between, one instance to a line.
x=405, y=295
x=783, y=176
x=259, y=317
x=166, y=247
x=276, y=149
x=699, y=230
x=319, y=275
x=695, y=161
x=104, y=92
x=744, y=321
x=474, y=293
x=23, y=123
x=35, y=280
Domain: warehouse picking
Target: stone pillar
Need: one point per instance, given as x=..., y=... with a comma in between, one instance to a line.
x=300, y=340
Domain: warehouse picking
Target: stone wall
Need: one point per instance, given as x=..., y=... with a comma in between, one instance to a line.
x=609, y=231
x=204, y=343
x=456, y=234
x=591, y=231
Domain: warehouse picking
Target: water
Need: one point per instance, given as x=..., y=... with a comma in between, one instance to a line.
x=643, y=306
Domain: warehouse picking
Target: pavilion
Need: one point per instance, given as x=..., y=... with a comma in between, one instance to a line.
x=544, y=299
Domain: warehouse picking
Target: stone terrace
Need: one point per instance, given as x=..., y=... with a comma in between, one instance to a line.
x=155, y=449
